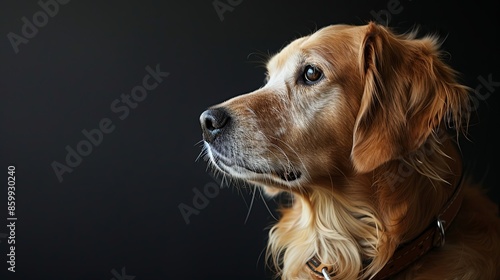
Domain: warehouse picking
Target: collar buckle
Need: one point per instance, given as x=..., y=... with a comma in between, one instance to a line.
x=320, y=269
x=439, y=234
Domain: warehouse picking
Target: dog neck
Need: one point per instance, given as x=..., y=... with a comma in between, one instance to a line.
x=355, y=223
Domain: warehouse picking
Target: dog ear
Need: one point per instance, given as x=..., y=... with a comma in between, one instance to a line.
x=408, y=92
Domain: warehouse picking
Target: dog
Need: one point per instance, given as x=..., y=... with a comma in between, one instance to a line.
x=360, y=125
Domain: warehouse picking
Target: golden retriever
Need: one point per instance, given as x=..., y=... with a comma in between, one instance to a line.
x=360, y=125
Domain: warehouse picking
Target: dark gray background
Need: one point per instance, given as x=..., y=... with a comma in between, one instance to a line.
x=119, y=208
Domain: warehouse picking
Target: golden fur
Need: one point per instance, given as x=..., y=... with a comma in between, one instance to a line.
x=368, y=144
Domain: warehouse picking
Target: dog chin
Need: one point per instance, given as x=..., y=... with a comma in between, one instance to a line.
x=270, y=179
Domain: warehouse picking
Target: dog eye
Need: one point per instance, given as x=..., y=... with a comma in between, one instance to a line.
x=312, y=74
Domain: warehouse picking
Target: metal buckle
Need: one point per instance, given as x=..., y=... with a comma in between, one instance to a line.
x=439, y=237
x=318, y=268
x=325, y=273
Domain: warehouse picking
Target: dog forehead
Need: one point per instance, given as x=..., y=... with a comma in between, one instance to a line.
x=290, y=54
x=324, y=42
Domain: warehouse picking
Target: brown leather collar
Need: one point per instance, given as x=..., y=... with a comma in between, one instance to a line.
x=433, y=236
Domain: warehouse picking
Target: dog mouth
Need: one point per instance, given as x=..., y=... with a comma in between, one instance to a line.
x=244, y=171
x=288, y=175
x=291, y=176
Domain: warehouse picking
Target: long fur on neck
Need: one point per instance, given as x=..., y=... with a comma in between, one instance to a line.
x=356, y=226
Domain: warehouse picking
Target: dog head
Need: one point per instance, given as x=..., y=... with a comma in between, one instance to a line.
x=341, y=101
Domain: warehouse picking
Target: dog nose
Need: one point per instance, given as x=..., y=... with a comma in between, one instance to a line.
x=212, y=123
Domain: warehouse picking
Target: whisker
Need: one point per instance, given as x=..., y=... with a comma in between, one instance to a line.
x=240, y=192
x=251, y=205
x=267, y=206
x=199, y=142
x=202, y=153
